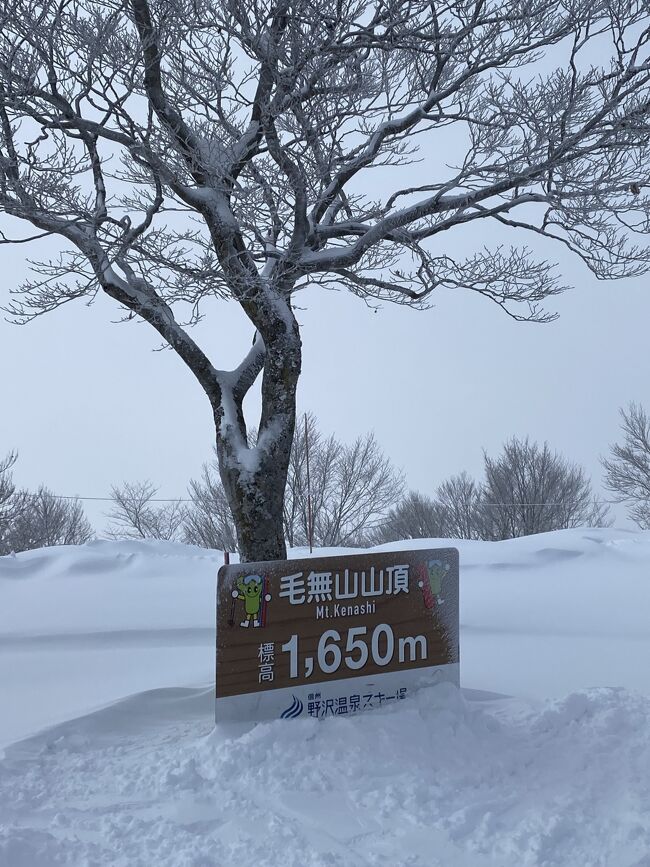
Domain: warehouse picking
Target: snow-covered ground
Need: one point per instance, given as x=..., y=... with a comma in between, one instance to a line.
x=111, y=756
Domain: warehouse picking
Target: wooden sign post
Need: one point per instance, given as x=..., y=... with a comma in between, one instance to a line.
x=334, y=635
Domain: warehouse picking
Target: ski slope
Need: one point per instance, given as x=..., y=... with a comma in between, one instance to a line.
x=111, y=756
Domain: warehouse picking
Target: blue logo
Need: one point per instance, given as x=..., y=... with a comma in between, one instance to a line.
x=294, y=709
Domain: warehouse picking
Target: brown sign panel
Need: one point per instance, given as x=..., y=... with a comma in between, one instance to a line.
x=307, y=637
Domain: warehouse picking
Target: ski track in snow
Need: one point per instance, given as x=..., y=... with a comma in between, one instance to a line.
x=448, y=778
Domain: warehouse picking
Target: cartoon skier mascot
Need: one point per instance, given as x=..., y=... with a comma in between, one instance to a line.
x=251, y=591
x=431, y=578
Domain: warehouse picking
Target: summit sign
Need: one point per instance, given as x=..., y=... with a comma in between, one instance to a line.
x=333, y=636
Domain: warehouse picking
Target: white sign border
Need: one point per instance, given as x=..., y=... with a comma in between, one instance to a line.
x=293, y=702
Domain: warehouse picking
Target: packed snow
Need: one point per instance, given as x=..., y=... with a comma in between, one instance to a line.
x=110, y=755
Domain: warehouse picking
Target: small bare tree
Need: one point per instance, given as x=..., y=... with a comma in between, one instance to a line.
x=415, y=517
x=530, y=489
x=352, y=489
x=356, y=486
x=455, y=512
x=185, y=150
x=45, y=520
x=459, y=498
x=7, y=488
x=627, y=471
x=11, y=501
x=208, y=520
x=137, y=515
x=323, y=452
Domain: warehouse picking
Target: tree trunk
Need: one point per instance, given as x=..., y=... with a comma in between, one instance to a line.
x=255, y=478
x=256, y=501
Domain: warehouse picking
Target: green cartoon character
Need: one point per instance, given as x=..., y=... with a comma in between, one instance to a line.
x=437, y=571
x=432, y=588
x=251, y=590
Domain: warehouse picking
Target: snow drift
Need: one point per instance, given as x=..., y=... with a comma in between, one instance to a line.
x=106, y=658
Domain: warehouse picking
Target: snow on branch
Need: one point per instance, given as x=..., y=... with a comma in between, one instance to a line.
x=185, y=151
x=246, y=132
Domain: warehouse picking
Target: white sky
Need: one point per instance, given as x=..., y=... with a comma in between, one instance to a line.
x=89, y=403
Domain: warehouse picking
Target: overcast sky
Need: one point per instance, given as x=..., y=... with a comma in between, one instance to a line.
x=89, y=403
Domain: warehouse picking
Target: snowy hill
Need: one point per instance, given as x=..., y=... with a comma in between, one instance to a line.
x=106, y=665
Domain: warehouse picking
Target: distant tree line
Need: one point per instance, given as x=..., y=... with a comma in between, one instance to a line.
x=358, y=498
x=526, y=489
x=37, y=519
x=353, y=487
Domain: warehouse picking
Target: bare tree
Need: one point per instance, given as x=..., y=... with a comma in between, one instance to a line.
x=7, y=487
x=137, y=515
x=627, y=471
x=323, y=453
x=357, y=485
x=460, y=498
x=527, y=489
x=181, y=151
x=530, y=489
x=454, y=512
x=208, y=521
x=415, y=517
x=352, y=489
x=11, y=501
x=326, y=456
x=45, y=520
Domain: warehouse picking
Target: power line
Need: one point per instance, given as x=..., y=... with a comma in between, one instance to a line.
x=189, y=500
x=112, y=499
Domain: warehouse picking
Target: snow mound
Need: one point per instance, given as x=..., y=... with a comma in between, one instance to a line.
x=542, y=760
x=444, y=781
